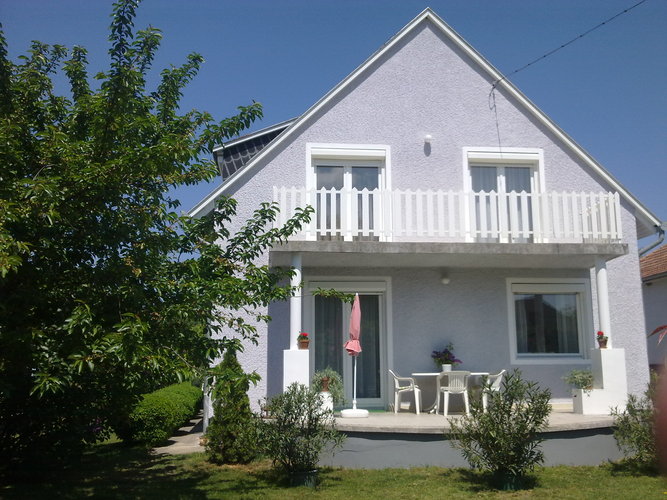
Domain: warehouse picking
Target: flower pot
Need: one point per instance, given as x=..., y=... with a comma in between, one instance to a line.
x=303, y=344
x=602, y=343
x=305, y=478
x=447, y=368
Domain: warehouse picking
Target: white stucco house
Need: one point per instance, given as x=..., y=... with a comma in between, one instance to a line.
x=654, y=287
x=455, y=222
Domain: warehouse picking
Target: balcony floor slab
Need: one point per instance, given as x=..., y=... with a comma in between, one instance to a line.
x=438, y=254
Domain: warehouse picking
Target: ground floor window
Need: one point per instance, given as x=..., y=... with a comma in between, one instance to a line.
x=547, y=319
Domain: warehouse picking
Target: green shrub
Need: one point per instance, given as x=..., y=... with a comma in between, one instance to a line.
x=581, y=379
x=231, y=436
x=634, y=428
x=336, y=388
x=160, y=413
x=298, y=429
x=504, y=440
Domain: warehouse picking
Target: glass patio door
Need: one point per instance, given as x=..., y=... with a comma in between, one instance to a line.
x=330, y=332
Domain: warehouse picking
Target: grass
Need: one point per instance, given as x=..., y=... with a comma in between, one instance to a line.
x=114, y=471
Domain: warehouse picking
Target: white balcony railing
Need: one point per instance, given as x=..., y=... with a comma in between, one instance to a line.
x=454, y=216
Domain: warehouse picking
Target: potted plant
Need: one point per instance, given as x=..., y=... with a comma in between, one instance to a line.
x=582, y=385
x=303, y=340
x=446, y=358
x=329, y=380
x=602, y=339
x=580, y=379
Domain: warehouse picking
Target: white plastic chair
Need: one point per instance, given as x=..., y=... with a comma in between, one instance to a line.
x=454, y=382
x=492, y=385
x=400, y=388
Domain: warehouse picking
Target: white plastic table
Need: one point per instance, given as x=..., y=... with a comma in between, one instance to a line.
x=434, y=376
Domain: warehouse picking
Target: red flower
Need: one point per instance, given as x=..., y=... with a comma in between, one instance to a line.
x=600, y=334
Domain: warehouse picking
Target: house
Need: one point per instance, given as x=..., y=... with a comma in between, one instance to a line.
x=455, y=221
x=654, y=288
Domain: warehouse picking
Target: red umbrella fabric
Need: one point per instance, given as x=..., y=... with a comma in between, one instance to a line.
x=352, y=346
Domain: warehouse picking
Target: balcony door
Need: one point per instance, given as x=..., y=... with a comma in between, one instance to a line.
x=344, y=209
x=500, y=217
x=331, y=318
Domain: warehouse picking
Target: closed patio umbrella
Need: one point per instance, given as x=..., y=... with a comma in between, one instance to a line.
x=353, y=348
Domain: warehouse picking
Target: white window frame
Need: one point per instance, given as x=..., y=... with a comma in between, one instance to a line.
x=356, y=284
x=510, y=157
x=324, y=153
x=348, y=155
x=532, y=158
x=582, y=287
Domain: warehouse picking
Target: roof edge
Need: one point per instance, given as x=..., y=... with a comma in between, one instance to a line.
x=253, y=135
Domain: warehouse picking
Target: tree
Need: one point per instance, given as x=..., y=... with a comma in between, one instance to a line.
x=231, y=436
x=106, y=291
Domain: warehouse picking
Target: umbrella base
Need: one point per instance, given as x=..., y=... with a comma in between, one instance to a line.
x=354, y=413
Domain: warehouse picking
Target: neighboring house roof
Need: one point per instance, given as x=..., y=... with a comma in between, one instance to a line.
x=233, y=155
x=647, y=219
x=654, y=265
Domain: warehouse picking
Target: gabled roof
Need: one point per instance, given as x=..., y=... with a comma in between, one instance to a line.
x=647, y=219
x=654, y=265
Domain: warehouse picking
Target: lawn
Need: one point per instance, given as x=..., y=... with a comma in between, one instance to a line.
x=115, y=471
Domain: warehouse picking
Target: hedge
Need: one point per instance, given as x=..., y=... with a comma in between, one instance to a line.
x=162, y=412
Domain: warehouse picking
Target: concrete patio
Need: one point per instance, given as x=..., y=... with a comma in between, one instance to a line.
x=425, y=423
x=387, y=439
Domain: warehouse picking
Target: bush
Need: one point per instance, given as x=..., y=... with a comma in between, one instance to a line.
x=504, y=440
x=298, y=430
x=232, y=435
x=160, y=413
x=634, y=428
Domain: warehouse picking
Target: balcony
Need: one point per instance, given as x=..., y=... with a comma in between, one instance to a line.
x=453, y=216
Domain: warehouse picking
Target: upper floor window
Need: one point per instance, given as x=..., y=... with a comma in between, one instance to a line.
x=502, y=184
x=346, y=180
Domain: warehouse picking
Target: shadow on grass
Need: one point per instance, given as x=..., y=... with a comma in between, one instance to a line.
x=107, y=471
x=631, y=467
x=478, y=482
x=271, y=477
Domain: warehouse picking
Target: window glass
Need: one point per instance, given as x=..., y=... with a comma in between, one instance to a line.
x=329, y=177
x=547, y=323
x=517, y=179
x=364, y=178
x=484, y=179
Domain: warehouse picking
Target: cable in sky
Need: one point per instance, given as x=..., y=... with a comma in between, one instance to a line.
x=544, y=56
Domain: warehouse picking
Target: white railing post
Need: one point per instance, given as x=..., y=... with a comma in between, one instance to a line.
x=617, y=216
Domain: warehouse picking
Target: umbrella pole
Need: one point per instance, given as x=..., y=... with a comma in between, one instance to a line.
x=353, y=412
x=354, y=386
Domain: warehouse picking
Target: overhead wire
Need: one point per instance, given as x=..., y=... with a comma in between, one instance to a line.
x=492, y=96
x=551, y=52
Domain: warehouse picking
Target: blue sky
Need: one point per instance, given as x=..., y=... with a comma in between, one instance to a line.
x=607, y=90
